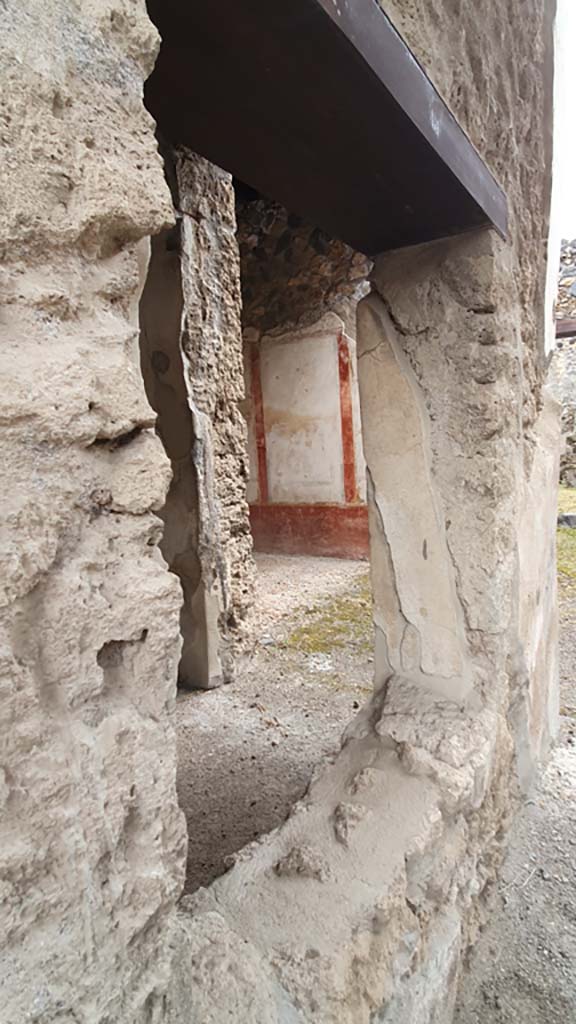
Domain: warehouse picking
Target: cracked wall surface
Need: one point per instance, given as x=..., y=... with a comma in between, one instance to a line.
x=293, y=273
x=212, y=349
x=92, y=842
x=191, y=360
x=495, y=72
x=360, y=906
x=418, y=619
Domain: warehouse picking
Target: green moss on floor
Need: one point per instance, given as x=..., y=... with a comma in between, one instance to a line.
x=343, y=621
x=566, y=544
x=566, y=498
x=566, y=551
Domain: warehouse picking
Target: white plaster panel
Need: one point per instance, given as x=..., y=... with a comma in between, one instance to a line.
x=398, y=457
x=301, y=396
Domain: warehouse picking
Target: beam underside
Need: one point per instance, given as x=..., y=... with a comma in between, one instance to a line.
x=295, y=107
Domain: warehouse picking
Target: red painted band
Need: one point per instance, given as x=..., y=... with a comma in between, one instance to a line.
x=339, y=531
x=346, y=422
x=258, y=406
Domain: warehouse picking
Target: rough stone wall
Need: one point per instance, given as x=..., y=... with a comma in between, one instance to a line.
x=92, y=843
x=212, y=348
x=292, y=272
x=562, y=380
x=566, y=298
x=432, y=297
x=192, y=363
x=562, y=372
x=360, y=908
x=495, y=72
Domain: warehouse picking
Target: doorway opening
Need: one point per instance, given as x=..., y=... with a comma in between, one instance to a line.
x=289, y=627
x=300, y=289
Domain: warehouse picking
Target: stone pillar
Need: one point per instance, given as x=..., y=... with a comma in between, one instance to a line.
x=211, y=343
x=192, y=364
x=450, y=469
x=418, y=620
x=92, y=842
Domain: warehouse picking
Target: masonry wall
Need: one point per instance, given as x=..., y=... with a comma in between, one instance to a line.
x=495, y=72
x=92, y=842
x=562, y=381
x=562, y=373
x=212, y=348
x=566, y=297
x=191, y=354
x=360, y=907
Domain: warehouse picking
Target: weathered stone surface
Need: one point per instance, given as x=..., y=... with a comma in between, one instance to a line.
x=381, y=935
x=537, y=670
x=346, y=817
x=416, y=610
x=92, y=844
x=292, y=272
x=495, y=73
x=566, y=297
x=92, y=850
x=451, y=307
x=234, y=982
x=562, y=370
x=212, y=350
x=191, y=361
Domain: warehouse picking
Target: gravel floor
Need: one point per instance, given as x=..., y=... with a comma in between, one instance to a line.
x=523, y=969
x=246, y=751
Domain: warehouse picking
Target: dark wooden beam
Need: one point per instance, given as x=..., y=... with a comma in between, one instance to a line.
x=566, y=328
x=324, y=109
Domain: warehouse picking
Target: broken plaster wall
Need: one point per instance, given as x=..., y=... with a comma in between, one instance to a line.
x=361, y=907
x=496, y=75
x=356, y=910
x=495, y=72
x=192, y=364
x=92, y=842
x=293, y=273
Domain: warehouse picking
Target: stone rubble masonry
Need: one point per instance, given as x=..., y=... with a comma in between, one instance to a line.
x=212, y=346
x=562, y=379
x=192, y=363
x=495, y=72
x=293, y=274
x=566, y=298
x=562, y=372
x=305, y=926
x=361, y=906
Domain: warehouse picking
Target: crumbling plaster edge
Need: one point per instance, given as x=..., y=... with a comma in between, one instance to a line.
x=407, y=802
